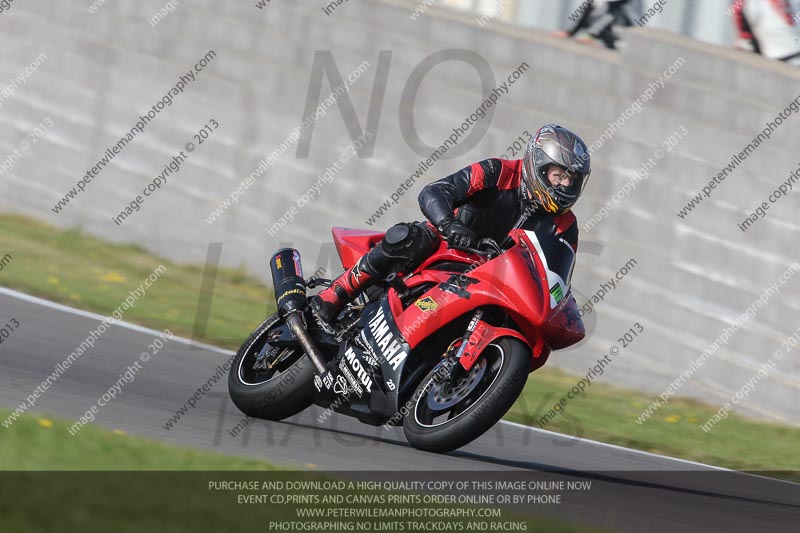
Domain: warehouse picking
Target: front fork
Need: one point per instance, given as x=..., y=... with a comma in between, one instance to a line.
x=476, y=338
x=458, y=370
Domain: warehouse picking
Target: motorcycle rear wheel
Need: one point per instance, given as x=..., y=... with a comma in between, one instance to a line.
x=445, y=417
x=271, y=393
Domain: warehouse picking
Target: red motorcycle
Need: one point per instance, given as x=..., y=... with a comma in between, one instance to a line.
x=444, y=350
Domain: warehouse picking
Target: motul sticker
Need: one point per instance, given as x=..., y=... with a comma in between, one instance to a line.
x=357, y=375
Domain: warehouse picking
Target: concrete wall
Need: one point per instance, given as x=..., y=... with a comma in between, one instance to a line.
x=692, y=277
x=707, y=20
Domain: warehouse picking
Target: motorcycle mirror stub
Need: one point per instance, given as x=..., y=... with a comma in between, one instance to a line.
x=287, y=278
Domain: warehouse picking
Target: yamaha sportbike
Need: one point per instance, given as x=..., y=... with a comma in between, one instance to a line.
x=444, y=350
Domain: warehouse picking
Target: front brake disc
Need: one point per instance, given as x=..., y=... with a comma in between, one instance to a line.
x=442, y=395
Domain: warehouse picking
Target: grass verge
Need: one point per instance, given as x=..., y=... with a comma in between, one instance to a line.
x=608, y=414
x=89, y=273
x=75, y=269
x=43, y=443
x=101, y=480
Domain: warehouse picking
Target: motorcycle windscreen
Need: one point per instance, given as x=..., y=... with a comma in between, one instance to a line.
x=558, y=259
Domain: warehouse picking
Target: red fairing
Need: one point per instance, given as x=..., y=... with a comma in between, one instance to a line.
x=563, y=223
x=566, y=328
x=482, y=336
x=351, y=244
x=516, y=281
x=511, y=281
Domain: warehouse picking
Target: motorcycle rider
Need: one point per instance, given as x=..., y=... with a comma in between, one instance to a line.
x=485, y=199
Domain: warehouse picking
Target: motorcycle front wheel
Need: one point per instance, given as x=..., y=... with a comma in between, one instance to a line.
x=270, y=382
x=446, y=416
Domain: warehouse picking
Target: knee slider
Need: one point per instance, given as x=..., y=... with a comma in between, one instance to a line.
x=397, y=237
x=423, y=243
x=404, y=246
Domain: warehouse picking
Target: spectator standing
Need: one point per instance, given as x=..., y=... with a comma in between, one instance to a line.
x=598, y=18
x=767, y=27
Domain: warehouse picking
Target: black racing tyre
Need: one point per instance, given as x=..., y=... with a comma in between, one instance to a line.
x=270, y=393
x=442, y=417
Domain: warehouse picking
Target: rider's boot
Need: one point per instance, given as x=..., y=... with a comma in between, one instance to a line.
x=344, y=289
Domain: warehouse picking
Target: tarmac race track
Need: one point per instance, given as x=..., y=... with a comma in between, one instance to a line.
x=631, y=490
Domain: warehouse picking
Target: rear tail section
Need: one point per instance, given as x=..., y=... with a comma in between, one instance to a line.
x=351, y=244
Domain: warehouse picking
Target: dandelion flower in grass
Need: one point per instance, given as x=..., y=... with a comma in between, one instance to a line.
x=52, y=280
x=113, y=277
x=45, y=423
x=672, y=418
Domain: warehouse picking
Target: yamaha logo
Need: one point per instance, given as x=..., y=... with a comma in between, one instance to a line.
x=391, y=350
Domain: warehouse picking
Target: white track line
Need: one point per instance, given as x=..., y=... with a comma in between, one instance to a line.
x=621, y=448
x=649, y=454
x=149, y=331
x=95, y=316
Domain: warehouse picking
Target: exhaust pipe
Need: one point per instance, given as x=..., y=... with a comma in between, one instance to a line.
x=290, y=295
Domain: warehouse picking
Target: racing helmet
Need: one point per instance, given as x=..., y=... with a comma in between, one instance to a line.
x=555, y=145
